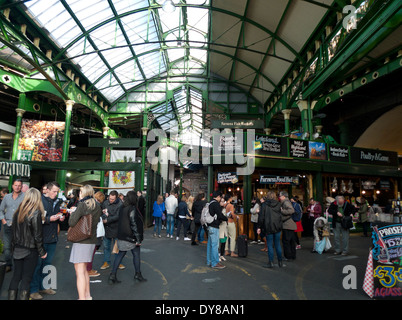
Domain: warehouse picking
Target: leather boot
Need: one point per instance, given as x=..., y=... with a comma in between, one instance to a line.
x=113, y=279
x=12, y=294
x=138, y=277
x=24, y=295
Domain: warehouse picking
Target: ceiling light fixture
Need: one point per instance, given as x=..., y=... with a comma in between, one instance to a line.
x=168, y=6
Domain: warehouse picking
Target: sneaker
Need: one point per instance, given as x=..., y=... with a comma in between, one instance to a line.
x=105, y=266
x=159, y=236
x=344, y=253
x=187, y=239
x=48, y=291
x=177, y=238
x=168, y=236
x=35, y=296
x=93, y=273
x=222, y=258
x=253, y=242
x=298, y=247
x=121, y=267
x=219, y=266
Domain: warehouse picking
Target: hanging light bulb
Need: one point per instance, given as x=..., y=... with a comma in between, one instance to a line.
x=168, y=6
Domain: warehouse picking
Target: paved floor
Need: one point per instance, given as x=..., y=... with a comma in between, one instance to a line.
x=177, y=271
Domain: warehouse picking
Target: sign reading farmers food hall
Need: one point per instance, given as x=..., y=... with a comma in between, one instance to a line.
x=268, y=179
x=270, y=146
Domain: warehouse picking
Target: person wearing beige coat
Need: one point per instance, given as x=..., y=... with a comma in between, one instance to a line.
x=288, y=227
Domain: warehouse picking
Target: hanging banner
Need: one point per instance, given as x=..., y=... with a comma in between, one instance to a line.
x=41, y=140
x=387, y=261
x=119, y=179
x=376, y=157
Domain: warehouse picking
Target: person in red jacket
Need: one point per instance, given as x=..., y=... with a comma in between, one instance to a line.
x=314, y=211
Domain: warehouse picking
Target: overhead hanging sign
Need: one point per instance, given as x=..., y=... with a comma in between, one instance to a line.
x=114, y=143
x=237, y=124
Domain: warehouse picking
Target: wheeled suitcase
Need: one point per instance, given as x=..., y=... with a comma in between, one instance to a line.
x=242, y=245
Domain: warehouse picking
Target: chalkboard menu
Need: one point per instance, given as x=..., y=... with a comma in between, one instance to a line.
x=270, y=146
x=298, y=148
x=338, y=153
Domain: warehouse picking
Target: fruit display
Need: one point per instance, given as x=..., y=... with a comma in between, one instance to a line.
x=45, y=138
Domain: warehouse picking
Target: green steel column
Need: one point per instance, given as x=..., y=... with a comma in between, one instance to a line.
x=61, y=175
x=102, y=173
x=286, y=115
x=20, y=113
x=303, y=107
x=144, y=150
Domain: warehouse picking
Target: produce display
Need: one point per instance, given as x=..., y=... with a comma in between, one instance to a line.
x=44, y=138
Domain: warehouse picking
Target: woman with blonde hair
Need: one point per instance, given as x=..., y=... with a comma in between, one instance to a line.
x=82, y=251
x=158, y=211
x=28, y=243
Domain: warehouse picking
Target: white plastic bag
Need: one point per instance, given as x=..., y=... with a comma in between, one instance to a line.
x=100, y=229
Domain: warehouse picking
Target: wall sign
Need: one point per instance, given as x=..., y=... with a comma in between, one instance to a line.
x=298, y=148
x=227, y=177
x=370, y=156
x=268, y=179
x=338, y=153
x=270, y=146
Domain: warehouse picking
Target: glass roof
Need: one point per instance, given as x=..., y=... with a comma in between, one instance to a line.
x=120, y=44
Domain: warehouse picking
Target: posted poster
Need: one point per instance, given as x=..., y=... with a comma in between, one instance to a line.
x=119, y=179
x=41, y=140
x=387, y=261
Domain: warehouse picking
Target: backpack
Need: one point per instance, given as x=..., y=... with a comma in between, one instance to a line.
x=296, y=216
x=206, y=217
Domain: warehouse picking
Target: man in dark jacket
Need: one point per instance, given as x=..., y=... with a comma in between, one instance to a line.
x=339, y=209
x=51, y=204
x=215, y=210
x=110, y=217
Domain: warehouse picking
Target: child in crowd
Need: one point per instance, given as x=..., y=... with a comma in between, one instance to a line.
x=321, y=235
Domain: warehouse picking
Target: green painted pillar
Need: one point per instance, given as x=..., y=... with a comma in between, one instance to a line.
x=303, y=107
x=144, y=150
x=20, y=113
x=102, y=173
x=286, y=116
x=61, y=174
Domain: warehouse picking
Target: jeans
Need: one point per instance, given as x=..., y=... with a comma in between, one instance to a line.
x=182, y=221
x=201, y=233
x=7, y=241
x=213, y=247
x=195, y=233
x=38, y=276
x=274, y=239
x=170, y=224
x=107, y=251
x=337, y=238
x=158, y=225
x=120, y=256
x=23, y=271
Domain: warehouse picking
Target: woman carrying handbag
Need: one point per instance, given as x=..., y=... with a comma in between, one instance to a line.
x=82, y=250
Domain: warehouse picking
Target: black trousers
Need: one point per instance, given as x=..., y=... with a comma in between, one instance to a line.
x=289, y=244
x=23, y=271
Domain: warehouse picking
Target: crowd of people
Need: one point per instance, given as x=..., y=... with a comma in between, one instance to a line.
x=31, y=223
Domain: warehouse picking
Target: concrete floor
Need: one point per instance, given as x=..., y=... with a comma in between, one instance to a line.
x=177, y=271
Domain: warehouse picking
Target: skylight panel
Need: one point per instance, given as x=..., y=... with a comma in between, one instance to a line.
x=91, y=12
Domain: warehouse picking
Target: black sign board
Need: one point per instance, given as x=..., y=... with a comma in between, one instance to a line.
x=270, y=146
x=237, y=124
x=298, y=148
x=267, y=179
x=371, y=156
x=338, y=153
x=114, y=143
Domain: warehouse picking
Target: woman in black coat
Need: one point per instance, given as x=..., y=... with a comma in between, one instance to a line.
x=198, y=205
x=130, y=235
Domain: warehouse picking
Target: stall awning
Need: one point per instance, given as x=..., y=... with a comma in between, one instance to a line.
x=14, y=169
